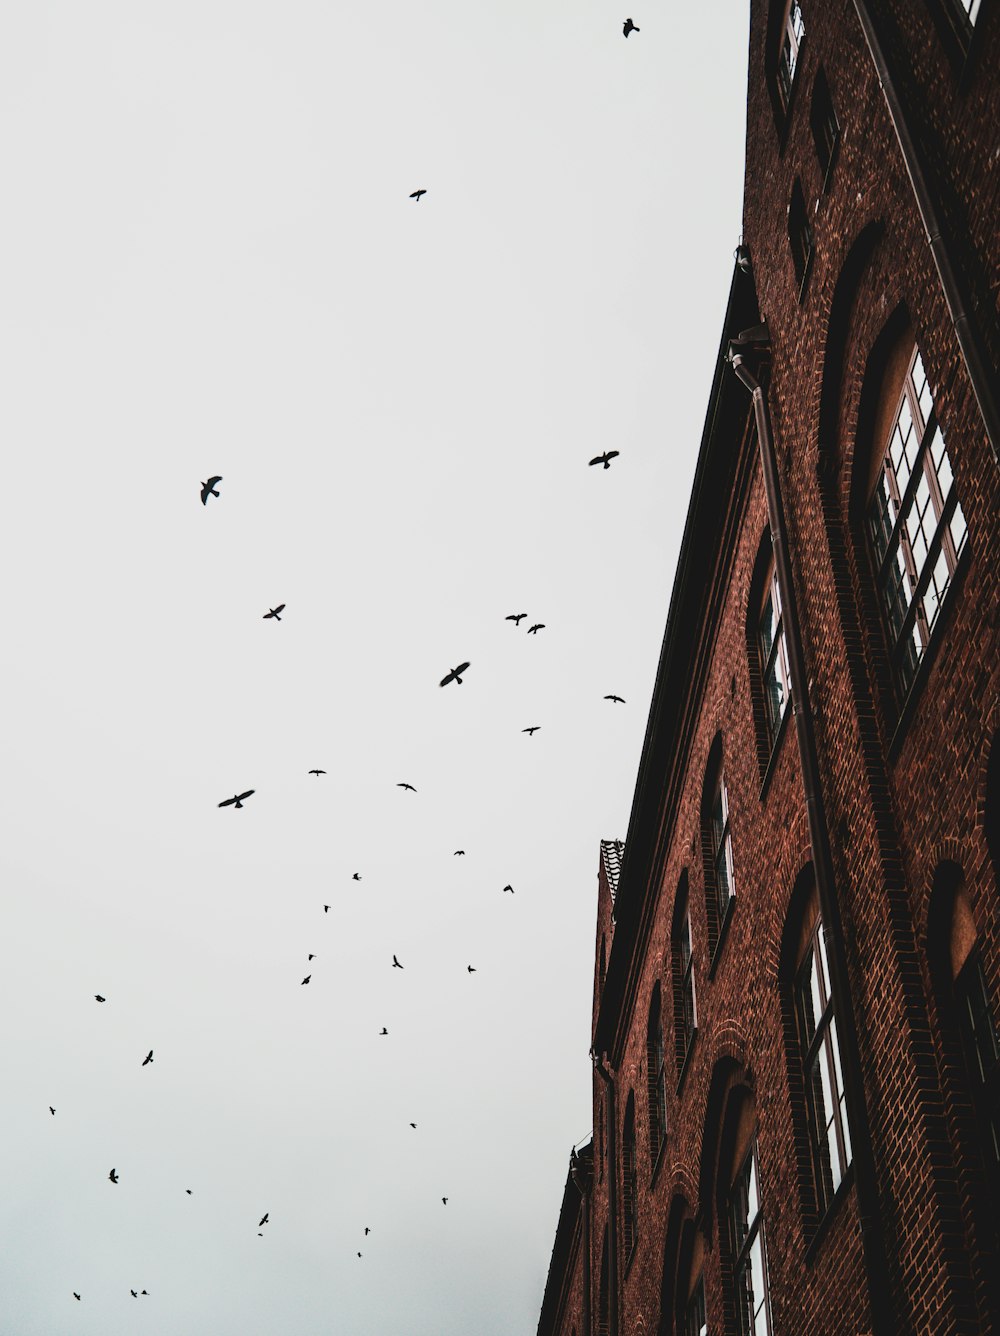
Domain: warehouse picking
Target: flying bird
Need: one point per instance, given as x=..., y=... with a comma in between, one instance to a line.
x=113, y=1176
x=471, y=969
x=134, y=1294
x=312, y=955
x=326, y=909
x=98, y=998
x=356, y=876
x=367, y=1231
x=406, y=786
x=534, y=630
x=413, y=1124
x=444, y=1201
x=516, y=618
x=395, y=964
x=263, y=1221
x=237, y=799
x=608, y=455
x=188, y=1191
x=416, y=195
x=275, y=613
x=208, y=489
x=459, y=852
x=383, y=1031
x=619, y=700
x=509, y=888
x=307, y=978
x=75, y=1295
x=144, y=1292
x=453, y=676
x=533, y=729
x=627, y=27
x=52, y=1111
x=148, y=1058
x=359, y=1254
x=317, y=772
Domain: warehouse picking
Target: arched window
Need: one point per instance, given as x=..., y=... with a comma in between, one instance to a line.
x=695, y=1322
x=824, y=124
x=656, y=1076
x=915, y=522
x=720, y=884
x=682, y=962
x=775, y=678
x=746, y=1241
x=630, y=1215
x=793, y=29
x=800, y=236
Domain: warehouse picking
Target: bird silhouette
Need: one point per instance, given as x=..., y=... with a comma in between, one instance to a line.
x=395, y=964
x=356, y=876
x=52, y=1111
x=413, y=1124
x=509, y=888
x=459, y=853
x=367, y=1231
x=263, y=1220
x=416, y=195
x=453, y=676
x=208, y=489
x=148, y=1058
x=237, y=799
x=144, y=1292
x=534, y=630
x=188, y=1191
x=359, y=1253
x=113, y=1176
x=312, y=955
x=98, y=998
x=326, y=909
x=516, y=618
x=627, y=27
x=532, y=730
x=134, y=1294
x=275, y=613
x=471, y=969
x=383, y=1031
x=608, y=455
x=307, y=978
x=317, y=772
x=619, y=700
x=444, y=1201
x=75, y=1295
x=406, y=786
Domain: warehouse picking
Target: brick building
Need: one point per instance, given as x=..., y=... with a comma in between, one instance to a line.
x=797, y=979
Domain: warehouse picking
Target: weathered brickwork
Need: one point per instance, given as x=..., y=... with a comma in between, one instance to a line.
x=910, y=777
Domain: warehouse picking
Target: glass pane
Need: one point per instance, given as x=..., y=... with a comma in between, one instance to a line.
x=757, y=1285
x=958, y=529
x=918, y=543
x=922, y=496
x=768, y=627
x=774, y=696
x=922, y=388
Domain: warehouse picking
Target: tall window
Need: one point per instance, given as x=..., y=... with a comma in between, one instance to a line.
x=829, y=1137
x=800, y=236
x=792, y=32
x=746, y=1231
x=823, y=123
x=982, y=1054
x=970, y=8
x=630, y=1216
x=721, y=847
x=915, y=522
x=695, y=1323
x=656, y=1076
x=688, y=1015
x=774, y=672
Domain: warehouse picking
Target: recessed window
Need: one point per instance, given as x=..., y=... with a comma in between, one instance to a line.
x=722, y=848
x=775, y=677
x=630, y=1215
x=689, y=1015
x=657, y=1076
x=970, y=8
x=829, y=1138
x=800, y=236
x=792, y=32
x=824, y=124
x=695, y=1323
x=746, y=1230
x=915, y=523
x=982, y=1053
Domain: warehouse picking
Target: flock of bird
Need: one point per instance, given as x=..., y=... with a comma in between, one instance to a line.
x=209, y=488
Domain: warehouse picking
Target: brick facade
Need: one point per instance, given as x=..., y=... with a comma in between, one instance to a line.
x=909, y=772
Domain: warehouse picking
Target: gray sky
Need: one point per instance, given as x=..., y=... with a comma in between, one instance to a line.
x=209, y=264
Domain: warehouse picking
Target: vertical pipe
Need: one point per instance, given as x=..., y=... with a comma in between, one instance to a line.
x=982, y=375
x=872, y=1242
x=609, y=1084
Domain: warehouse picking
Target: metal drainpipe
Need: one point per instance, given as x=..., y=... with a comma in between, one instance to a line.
x=971, y=344
x=584, y=1191
x=864, y=1161
x=608, y=1080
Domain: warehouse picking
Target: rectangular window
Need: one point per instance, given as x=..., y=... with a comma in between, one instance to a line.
x=982, y=1053
x=829, y=1136
x=791, y=40
x=970, y=8
x=823, y=123
x=916, y=524
x=695, y=1323
x=773, y=657
x=800, y=236
x=689, y=1017
x=657, y=1079
x=722, y=850
x=753, y=1316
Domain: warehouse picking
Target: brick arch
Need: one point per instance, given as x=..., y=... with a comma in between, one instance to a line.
x=680, y=1222
x=729, y=1068
x=947, y=854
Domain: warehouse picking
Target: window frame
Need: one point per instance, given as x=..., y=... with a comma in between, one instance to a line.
x=721, y=847
x=689, y=1005
x=743, y=1248
x=695, y=1319
x=791, y=39
x=801, y=241
x=824, y=124
x=894, y=563
x=976, y=1021
x=656, y=1077
x=773, y=657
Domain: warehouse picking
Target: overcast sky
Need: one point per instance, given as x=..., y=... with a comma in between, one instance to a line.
x=209, y=264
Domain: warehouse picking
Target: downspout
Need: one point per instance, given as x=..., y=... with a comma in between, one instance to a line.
x=578, y=1176
x=608, y=1080
x=876, y=1263
x=982, y=375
